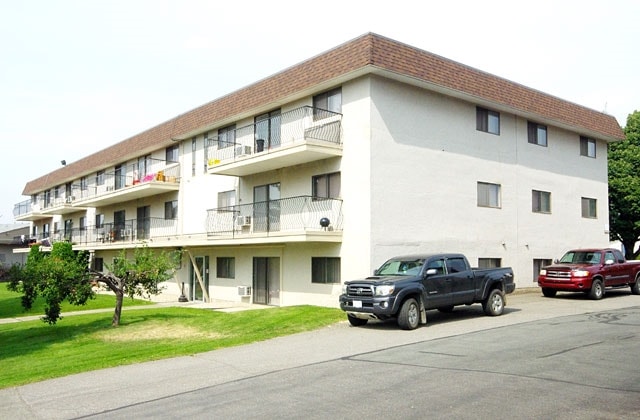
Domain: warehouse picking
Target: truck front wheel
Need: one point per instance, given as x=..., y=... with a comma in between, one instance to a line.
x=356, y=322
x=597, y=290
x=409, y=316
x=494, y=304
x=635, y=286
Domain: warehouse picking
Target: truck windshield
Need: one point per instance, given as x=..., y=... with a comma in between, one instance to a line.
x=581, y=257
x=400, y=268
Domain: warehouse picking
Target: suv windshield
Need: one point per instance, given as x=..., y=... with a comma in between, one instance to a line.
x=573, y=257
x=400, y=268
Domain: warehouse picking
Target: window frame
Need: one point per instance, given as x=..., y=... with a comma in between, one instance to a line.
x=171, y=210
x=589, y=207
x=488, y=203
x=489, y=262
x=537, y=201
x=171, y=152
x=331, y=181
x=226, y=136
x=533, y=134
x=585, y=151
x=328, y=268
x=483, y=120
x=330, y=100
x=226, y=267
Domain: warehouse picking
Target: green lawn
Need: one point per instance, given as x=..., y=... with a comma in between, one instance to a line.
x=11, y=306
x=32, y=351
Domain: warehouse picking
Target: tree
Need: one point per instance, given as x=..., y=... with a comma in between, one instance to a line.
x=624, y=187
x=56, y=276
x=140, y=276
x=65, y=274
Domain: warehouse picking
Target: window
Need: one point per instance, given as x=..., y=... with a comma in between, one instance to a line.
x=68, y=225
x=98, y=264
x=45, y=230
x=56, y=227
x=144, y=167
x=326, y=186
x=267, y=130
x=537, y=134
x=100, y=178
x=587, y=147
x=540, y=201
x=226, y=199
x=227, y=136
x=226, y=267
x=83, y=183
x=328, y=101
x=455, y=265
x=206, y=150
x=83, y=223
x=194, y=149
x=589, y=208
x=488, y=195
x=325, y=270
x=487, y=121
x=537, y=266
x=489, y=262
x=56, y=192
x=99, y=220
x=171, y=154
x=171, y=210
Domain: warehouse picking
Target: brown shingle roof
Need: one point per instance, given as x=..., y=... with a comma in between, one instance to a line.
x=367, y=51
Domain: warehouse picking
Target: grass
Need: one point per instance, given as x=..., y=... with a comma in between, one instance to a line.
x=11, y=306
x=33, y=351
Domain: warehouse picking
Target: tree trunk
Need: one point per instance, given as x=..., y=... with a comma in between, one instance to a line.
x=629, y=245
x=118, y=311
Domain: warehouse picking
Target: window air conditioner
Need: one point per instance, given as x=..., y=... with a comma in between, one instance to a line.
x=243, y=150
x=70, y=199
x=244, y=290
x=243, y=220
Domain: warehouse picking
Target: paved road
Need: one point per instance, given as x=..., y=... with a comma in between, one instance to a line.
x=559, y=358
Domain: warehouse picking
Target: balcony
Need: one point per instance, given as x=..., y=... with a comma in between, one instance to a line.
x=127, y=184
x=28, y=211
x=110, y=235
x=299, y=136
x=303, y=218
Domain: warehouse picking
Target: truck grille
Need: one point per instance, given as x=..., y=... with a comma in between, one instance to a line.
x=562, y=275
x=360, y=290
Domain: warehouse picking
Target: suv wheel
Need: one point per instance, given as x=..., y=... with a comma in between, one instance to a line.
x=494, y=304
x=597, y=290
x=635, y=286
x=409, y=316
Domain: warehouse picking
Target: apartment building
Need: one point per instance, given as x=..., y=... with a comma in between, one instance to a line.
x=280, y=191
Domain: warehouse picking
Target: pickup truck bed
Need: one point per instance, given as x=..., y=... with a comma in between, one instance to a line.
x=405, y=287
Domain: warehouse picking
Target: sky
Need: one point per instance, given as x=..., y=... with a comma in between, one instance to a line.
x=77, y=76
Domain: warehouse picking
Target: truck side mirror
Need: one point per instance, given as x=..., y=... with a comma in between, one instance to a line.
x=430, y=272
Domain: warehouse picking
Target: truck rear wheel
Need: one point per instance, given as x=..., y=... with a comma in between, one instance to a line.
x=356, y=322
x=635, y=286
x=549, y=292
x=597, y=290
x=409, y=316
x=494, y=304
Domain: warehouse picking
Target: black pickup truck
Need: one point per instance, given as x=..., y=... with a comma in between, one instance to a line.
x=406, y=287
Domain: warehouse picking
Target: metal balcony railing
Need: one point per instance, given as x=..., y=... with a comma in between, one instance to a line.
x=305, y=123
x=295, y=214
x=21, y=208
x=129, y=231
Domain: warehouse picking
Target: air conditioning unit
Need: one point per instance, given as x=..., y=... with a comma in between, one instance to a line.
x=243, y=151
x=244, y=290
x=243, y=221
x=70, y=199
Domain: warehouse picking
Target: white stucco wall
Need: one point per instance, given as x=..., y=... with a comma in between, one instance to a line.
x=428, y=157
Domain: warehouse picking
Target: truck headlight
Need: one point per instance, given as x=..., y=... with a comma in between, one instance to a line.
x=580, y=273
x=543, y=272
x=344, y=289
x=385, y=290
